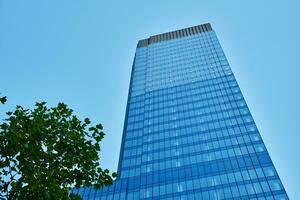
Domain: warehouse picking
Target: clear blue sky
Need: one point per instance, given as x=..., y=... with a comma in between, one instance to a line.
x=81, y=52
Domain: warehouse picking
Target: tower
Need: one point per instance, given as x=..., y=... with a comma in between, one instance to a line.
x=188, y=133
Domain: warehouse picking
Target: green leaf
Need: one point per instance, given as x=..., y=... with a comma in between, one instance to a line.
x=87, y=121
x=46, y=195
x=114, y=175
x=99, y=126
x=3, y=99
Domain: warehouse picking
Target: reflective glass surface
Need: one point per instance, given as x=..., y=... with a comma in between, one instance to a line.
x=188, y=132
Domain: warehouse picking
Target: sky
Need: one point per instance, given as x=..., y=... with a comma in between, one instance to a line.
x=81, y=53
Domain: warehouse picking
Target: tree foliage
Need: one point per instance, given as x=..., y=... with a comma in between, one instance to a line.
x=46, y=151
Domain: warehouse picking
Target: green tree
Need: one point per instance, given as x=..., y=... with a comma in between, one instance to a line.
x=46, y=151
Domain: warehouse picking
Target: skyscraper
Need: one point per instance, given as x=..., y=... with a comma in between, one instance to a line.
x=188, y=133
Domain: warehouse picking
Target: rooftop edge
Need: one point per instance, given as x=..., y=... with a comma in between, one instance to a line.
x=175, y=34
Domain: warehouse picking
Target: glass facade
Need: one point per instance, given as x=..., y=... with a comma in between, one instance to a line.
x=188, y=132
